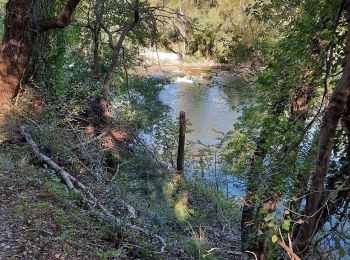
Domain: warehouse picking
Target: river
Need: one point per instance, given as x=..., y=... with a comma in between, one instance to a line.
x=212, y=106
x=207, y=95
x=203, y=95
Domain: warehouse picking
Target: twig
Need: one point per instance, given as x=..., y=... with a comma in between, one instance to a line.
x=282, y=240
x=89, y=141
x=250, y=252
x=288, y=250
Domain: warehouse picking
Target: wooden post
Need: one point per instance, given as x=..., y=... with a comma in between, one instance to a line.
x=216, y=177
x=181, y=147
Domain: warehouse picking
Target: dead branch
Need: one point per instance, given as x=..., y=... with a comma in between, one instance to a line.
x=65, y=176
x=73, y=184
x=89, y=141
x=250, y=252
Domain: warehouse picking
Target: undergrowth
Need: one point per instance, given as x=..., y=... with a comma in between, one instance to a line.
x=196, y=222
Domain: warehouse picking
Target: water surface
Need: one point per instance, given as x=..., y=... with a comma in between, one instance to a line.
x=209, y=99
x=212, y=106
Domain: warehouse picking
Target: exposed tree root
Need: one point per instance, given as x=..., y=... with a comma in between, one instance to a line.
x=73, y=184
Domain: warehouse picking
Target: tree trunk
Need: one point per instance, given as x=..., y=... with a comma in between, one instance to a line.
x=116, y=52
x=337, y=201
x=335, y=109
x=96, y=40
x=20, y=31
x=17, y=46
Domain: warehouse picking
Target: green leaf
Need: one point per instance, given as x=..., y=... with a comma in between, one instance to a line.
x=268, y=218
x=341, y=252
x=286, y=221
x=285, y=227
x=262, y=211
x=274, y=239
x=286, y=224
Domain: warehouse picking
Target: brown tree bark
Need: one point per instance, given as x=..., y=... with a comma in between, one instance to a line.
x=336, y=201
x=96, y=31
x=301, y=101
x=101, y=105
x=334, y=111
x=116, y=48
x=20, y=31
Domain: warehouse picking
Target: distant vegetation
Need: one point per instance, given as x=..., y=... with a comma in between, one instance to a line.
x=221, y=30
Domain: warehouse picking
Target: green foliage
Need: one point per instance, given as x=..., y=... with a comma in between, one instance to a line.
x=2, y=14
x=271, y=148
x=269, y=115
x=140, y=104
x=230, y=33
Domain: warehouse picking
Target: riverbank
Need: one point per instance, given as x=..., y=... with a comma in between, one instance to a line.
x=191, y=217
x=160, y=61
x=42, y=219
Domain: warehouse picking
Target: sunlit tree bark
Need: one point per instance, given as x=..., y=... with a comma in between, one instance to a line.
x=21, y=28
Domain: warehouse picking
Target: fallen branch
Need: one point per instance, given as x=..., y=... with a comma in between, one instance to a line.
x=250, y=252
x=73, y=184
x=65, y=176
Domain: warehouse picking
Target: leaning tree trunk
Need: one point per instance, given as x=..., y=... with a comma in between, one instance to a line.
x=336, y=201
x=116, y=49
x=334, y=111
x=21, y=28
x=101, y=106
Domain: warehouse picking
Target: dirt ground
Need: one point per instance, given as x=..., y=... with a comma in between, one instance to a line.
x=35, y=223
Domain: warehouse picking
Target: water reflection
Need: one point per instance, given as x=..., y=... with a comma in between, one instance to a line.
x=206, y=103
